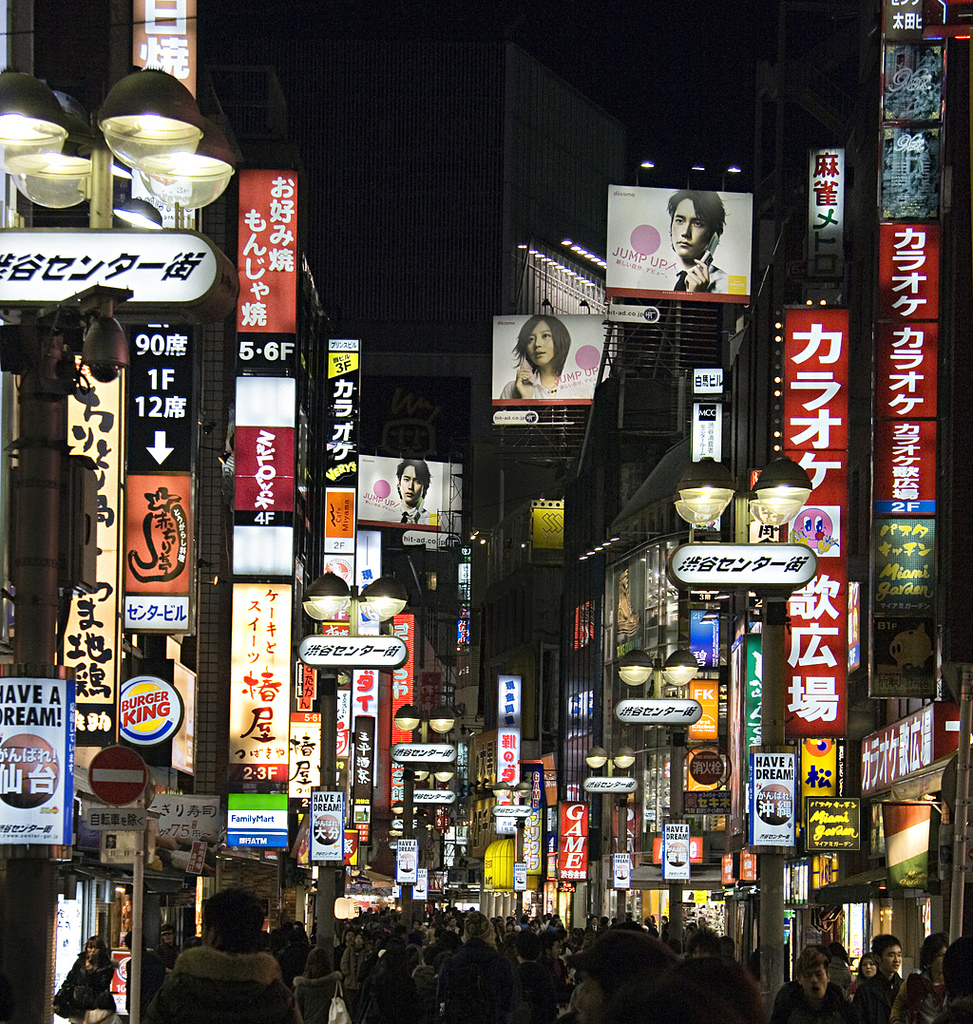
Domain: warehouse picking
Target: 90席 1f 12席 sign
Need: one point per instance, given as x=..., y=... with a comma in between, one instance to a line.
x=437, y=752
x=651, y=711
x=382, y=652
x=783, y=567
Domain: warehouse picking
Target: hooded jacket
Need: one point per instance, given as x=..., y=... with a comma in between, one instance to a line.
x=208, y=986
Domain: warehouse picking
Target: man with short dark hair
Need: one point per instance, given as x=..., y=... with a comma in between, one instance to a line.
x=412, y=482
x=696, y=222
x=536, y=982
x=226, y=980
x=811, y=998
x=874, y=996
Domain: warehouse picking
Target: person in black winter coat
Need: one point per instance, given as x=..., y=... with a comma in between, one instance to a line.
x=536, y=981
x=293, y=957
x=812, y=998
x=88, y=978
x=478, y=957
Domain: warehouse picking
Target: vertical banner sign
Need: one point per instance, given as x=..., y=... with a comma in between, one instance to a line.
x=907, y=833
x=159, y=569
x=573, y=843
x=342, y=738
x=36, y=760
x=816, y=436
x=327, y=826
x=420, y=891
x=508, y=729
x=707, y=433
x=93, y=635
x=363, y=775
x=260, y=661
x=903, y=524
x=341, y=471
x=263, y=520
x=675, y=851
x=164, y=37
x=305, y=754
x=520, y=876
x=403, y=688
x=622, y=870
x=406, y=861
x=707, y=693
x=826, y=214
x=267, y=264
x=773, y=804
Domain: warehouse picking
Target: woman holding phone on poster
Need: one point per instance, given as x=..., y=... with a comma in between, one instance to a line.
x=541, y=350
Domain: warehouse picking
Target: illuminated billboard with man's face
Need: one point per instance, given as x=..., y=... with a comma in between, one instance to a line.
x=678, y=244
x=416, y=494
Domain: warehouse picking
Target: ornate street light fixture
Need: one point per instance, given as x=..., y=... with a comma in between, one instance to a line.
x=705, y=489
x=782, y=490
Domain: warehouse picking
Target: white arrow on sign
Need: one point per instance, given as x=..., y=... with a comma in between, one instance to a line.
x=160, y=451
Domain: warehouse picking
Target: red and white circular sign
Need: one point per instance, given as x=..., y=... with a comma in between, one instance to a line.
x=117, y=775
x=707, y=767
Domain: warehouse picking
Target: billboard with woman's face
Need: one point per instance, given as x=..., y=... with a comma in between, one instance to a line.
x=678, y=244
x=546, y=359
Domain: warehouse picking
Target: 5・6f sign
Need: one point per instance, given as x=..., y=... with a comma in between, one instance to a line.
x=265, y=350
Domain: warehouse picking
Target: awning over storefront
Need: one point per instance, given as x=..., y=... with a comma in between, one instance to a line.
x=858, y=888
x=498, y=865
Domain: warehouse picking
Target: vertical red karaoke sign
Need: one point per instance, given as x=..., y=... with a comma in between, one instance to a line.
x=816, y=436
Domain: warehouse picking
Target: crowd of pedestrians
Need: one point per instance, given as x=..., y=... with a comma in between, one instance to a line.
x=464, y=968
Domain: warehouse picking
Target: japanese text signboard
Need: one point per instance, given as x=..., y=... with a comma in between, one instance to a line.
x=159, y=561
x=675, y=851
x=260, y=663
x=403, y=688
x=36, y=760
x=832, y=823
x=341, y=471
x=508, y=729
x=178, y=272
x=908, y=272
x=816, y=437
x=267, y=262
x=773, y=799
x=905, y=370
x=263, y=521
x=911, y=744
x=573, y=842
x=749, y=566
x=826, y=214
x=92, y=637
x=164, y=37
x=363, y=775
x=195, y=818
x=161, y=403
x=305, y=754
x=327, y=826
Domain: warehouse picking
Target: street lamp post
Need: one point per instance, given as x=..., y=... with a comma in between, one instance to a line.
x=635, y=668
x=441, y=721
x=34, y=131
x=780, y=493
x=330, y=597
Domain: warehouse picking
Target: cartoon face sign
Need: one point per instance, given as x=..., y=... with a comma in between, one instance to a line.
x=815, y=528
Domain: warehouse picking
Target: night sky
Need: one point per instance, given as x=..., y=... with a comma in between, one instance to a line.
x=679, y=76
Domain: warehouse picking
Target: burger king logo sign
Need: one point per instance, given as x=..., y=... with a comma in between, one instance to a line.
x=149, y=710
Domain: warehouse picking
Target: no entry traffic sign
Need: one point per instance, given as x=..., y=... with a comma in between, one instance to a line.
x=117, y=775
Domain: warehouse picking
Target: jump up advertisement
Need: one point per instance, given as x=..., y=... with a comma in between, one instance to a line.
x=546, y=360
x=678, y=244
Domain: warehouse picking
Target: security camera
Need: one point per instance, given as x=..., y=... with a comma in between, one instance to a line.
x=105, y=348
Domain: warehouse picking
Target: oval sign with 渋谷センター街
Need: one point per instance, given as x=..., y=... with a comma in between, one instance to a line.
x=149, y=710
x=775, y=567
x=382, y=652
x=609, y=784
x=651, y=711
